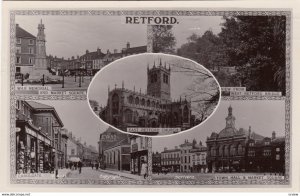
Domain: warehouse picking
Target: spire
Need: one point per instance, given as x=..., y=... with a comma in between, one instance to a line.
x=154, y=65
x=160, y=62
x=230, y=111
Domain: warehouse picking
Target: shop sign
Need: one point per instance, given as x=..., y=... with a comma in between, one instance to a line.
x=31, y=132
x=134, y=147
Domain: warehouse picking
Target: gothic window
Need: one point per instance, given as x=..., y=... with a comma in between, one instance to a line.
x=166, y=78
x=148, y=103
x=130, y=99
x=185, y=114
x=143, y=102
x=267, y=152
x=128, y=115
x=175, y=117
x=115, y=104
x=153, y=78
x=137, y=101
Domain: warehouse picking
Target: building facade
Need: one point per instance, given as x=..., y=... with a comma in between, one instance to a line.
x=139, y=147
x=170, y=159
x=25, y=51
x=126, y=108
x=38, y=126
x=238, y=150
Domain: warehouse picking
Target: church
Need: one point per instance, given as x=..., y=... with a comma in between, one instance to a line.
x=126, y=108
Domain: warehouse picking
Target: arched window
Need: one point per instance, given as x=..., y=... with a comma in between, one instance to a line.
x=232, y=150
x=186, y=114
x=152, y=104
x=226, y=151
x=175, y=117
x=130, y=99
x=115, y=104
x=137, y=101
x=143, y=102
x=240, y=149
x=148, y=103
x=128, y=116
x=114, y=157
x=221, y=151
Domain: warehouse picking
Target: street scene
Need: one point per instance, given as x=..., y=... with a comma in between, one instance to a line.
x=50, y=144
x=232, y=144
x=170, y=94
x=42, y=60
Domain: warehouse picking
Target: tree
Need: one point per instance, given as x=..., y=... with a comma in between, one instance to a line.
x=163, y=39
x=256, y=45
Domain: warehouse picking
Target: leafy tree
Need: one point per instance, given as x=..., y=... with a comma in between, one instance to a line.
x=163, y=39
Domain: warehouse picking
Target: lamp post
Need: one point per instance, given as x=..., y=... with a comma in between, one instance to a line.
x=63, y=79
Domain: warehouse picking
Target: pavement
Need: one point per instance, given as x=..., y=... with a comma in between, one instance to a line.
x=123, y=174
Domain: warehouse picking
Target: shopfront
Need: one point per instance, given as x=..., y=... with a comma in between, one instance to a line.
x=33, y=149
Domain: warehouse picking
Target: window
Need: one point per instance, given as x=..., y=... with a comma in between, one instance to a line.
x=267, y=152
x=251, y=144
x=277, y=149
x=267, y=143
x=277, y=157
x=73, y=152
x=30, y=42
x=18, y=40
x=18, y=59
x=130, y=99
x=30, y=61
x=30, y=50
x=251, y=153
x=18, y=48
x=137, y=101
x=166, y=78
x=186, y=114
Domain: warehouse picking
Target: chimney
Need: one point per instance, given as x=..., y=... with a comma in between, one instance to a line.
x=87, y=51
x=72, y=57
x=273, y=135
x=176, y=147
x=107, y=52
x=249, y=132
x=115, y=51
x=98, y=51
x=165, y=149
x=128, y=45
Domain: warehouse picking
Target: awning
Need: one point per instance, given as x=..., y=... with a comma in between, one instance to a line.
x=74, y=159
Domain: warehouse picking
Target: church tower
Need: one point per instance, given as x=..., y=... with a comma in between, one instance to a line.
x=230, y=119
x=158, y=84
x=40, y=61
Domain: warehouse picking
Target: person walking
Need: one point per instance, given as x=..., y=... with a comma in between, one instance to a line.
x=92, y=163
x=79, y=166
x=144, y=169
x=97, y=165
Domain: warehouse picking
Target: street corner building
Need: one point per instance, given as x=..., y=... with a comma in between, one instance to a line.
x=238, y=150
x=41, y=140
x=122, y=152
x=154, y=109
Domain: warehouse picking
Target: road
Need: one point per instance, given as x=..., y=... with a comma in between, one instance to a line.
x=89, y=173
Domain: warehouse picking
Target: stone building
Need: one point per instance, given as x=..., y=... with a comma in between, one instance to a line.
x=126, y=108
x=170, y=159
x=114, y=150
x=238, y=150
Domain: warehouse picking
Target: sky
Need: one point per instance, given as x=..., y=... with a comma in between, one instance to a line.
x=68, y=36
x=264, y=117
x=133, y=71
x=79, y=119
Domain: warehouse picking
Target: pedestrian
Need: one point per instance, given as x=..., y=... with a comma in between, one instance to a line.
x=97, y=165
x=79, y=166
x=92, y=163
x=144, y=169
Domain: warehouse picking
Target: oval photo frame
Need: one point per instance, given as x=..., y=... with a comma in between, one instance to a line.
x=154, y=94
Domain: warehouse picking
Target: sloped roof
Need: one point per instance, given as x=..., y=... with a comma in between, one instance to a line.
x=21, y=33
x=171, y=150
x=37, y=105
x=138, y=49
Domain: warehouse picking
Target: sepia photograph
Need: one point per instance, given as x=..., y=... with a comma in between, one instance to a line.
x=243, y=141
x=242, y=51
x=154, y=94
x=55, y=54
x=50, y=143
